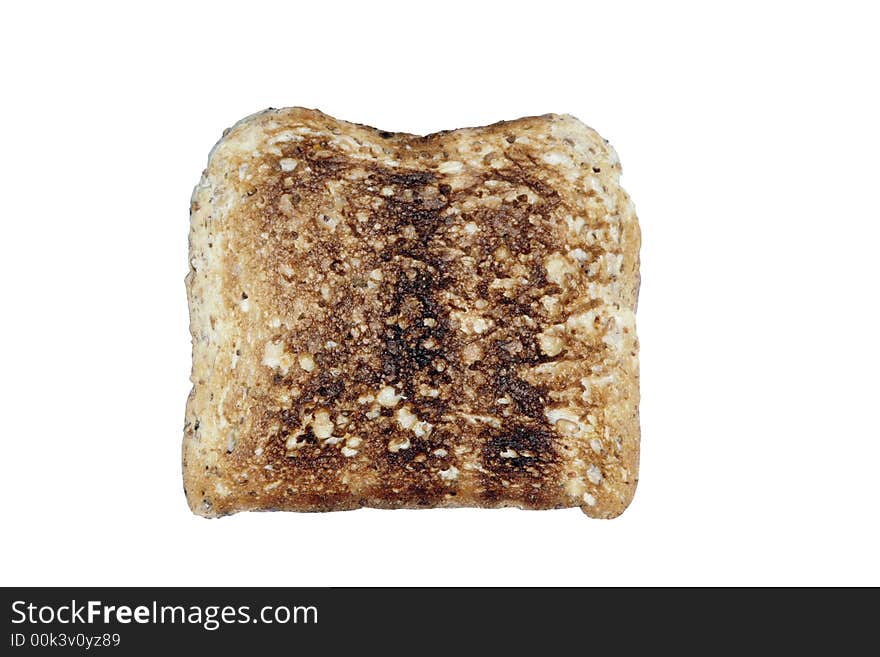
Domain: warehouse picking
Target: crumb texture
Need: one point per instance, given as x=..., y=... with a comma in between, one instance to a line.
x=389, y=320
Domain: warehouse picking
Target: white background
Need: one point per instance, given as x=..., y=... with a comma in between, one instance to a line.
x=750, y=144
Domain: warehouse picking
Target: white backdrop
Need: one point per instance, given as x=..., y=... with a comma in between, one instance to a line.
x=750, y=144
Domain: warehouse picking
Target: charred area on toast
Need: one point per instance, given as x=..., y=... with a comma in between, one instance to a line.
x=331, y=224
x=521, y=456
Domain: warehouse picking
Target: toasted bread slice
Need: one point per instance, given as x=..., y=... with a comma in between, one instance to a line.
x=388, y=320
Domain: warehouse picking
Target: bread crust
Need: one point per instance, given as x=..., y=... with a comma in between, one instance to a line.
x=400, y=321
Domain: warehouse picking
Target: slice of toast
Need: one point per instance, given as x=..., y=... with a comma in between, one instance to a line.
x=387, y=320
